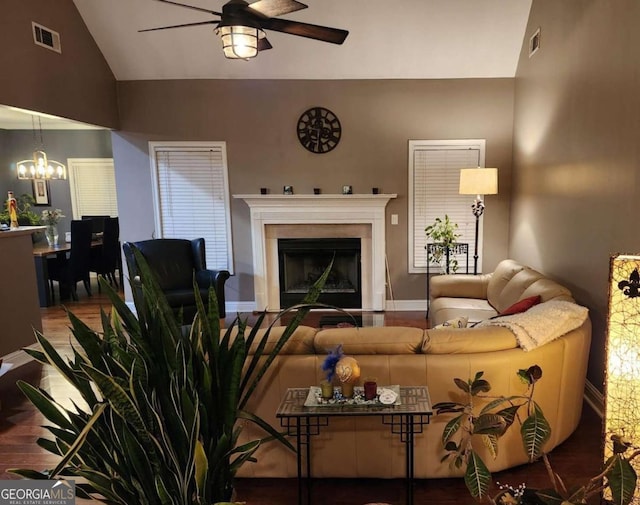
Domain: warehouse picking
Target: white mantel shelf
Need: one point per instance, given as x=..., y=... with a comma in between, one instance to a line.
x=307, y=209
x=323, y=199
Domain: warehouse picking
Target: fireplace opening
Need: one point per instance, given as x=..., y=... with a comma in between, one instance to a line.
x=302, y=261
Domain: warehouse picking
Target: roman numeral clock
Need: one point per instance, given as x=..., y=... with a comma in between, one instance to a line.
x=319, y=130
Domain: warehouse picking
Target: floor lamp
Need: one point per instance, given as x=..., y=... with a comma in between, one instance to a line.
x=478, y=181
x=622, y=380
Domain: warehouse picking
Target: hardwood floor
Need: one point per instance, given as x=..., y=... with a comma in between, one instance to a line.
x=20, y=425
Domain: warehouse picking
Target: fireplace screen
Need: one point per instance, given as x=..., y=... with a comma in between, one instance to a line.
x=302, y=261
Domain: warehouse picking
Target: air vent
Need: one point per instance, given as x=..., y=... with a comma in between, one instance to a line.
x=534, y=43
x=46, y=37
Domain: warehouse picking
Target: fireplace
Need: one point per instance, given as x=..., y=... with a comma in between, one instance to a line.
x=303, y=260
x=358, y=216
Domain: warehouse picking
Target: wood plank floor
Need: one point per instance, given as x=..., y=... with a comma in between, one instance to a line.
x=20, y=426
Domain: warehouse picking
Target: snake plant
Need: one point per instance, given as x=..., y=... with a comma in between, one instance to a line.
x=162, y=404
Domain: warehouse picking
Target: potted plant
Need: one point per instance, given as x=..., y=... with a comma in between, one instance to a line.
x=491, y=421
x=443, y=234
x=26, y=217
x=165, y=403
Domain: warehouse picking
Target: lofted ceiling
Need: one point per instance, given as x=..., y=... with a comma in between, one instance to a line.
x=388, y=39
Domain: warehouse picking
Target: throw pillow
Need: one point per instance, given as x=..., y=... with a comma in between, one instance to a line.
x=521, y=306
x=458, y=322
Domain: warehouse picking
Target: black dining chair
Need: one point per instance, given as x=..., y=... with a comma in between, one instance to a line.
x=105, y=260
x=69, y=270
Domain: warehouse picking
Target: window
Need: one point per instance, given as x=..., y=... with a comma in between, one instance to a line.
x=434, y=176
x=191, y=196
x=92, y=183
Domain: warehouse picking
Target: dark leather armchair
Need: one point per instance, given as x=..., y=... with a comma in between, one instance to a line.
x=174, y=262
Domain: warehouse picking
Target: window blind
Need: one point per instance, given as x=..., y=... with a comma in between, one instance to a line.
x=93, y=187
x=434, y=181
x=192, y=199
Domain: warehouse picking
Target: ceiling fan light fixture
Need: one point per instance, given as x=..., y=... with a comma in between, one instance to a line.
x=239, y=41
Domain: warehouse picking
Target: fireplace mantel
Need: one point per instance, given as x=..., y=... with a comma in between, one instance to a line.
x=357, y=209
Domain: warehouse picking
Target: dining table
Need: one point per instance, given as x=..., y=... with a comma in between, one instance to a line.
x=41, y=252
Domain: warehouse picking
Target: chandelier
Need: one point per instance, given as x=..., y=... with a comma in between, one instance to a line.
x=39, y=166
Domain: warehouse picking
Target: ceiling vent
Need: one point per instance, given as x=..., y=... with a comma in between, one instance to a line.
x=46, y=37
x=534, y=43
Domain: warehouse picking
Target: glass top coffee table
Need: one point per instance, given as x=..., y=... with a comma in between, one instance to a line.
x=405, y=419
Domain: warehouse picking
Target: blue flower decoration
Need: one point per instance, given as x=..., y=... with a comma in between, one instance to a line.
x=330, y=362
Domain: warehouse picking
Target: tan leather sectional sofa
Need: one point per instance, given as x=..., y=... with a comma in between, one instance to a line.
x=364, y=447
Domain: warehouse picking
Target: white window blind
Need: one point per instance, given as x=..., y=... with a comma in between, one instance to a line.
x=192, y=197
x=434, y=177
x=92, y=183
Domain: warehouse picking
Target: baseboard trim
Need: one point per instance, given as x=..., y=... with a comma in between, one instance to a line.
x=594, y=398
x=233, y=307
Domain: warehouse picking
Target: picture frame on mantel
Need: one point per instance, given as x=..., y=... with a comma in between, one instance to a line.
x=41, y=192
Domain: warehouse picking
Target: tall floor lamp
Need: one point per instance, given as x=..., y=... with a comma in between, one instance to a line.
x=478, y=181
x=622, y=381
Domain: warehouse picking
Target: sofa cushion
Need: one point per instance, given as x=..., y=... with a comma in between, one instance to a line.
x=445, y=308
x=468, y=340
x=370, y=340
x=301, y=342
x=548, y=289
x=515, y=288
x=500, y=277
x=521, y=305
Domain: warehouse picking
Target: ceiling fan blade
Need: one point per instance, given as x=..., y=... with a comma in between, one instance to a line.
x=272, y=8
x=263, y=44
x=323, y=33
x=190, y=7
x=211, y=22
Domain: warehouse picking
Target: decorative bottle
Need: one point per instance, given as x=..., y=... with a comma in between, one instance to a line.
x=12, y=207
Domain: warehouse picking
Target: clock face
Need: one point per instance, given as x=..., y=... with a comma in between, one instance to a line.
x=319, y=130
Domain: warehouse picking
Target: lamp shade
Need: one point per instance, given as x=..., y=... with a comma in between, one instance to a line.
x=478, y=181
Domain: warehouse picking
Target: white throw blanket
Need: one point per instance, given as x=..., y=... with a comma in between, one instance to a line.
x=542, y=323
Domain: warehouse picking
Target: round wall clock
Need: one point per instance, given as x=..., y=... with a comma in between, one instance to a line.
x=319, y=130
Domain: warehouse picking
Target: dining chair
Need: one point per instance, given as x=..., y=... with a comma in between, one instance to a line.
x=69, y=270
x=105, y=260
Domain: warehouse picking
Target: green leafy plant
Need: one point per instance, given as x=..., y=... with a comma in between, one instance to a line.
x=490, y=423
x=444, y=236
x=618, y=477
x=163, y=404
x=26, y=217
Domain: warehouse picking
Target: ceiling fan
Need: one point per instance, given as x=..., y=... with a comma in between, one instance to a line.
x=241, y=25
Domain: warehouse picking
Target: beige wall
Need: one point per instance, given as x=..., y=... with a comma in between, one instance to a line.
x=76, y=84
x=576, y=158
x=257, y=119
